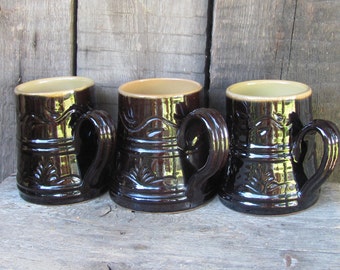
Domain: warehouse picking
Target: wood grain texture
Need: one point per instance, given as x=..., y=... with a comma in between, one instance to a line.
x=120, y=41
x=98, y=234
x=35, y=42
x=292, y=40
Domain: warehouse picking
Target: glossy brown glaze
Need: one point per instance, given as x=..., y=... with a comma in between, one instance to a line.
x=63, y=147
x=272, y=165
x=168, y=150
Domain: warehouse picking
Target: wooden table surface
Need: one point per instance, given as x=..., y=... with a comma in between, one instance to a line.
x=98, y=234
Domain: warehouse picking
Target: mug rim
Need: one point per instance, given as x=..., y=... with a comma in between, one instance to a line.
x=295, y=90
x=53, y=86
x=139, y=88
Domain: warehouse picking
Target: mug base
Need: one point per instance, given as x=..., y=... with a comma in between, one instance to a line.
x=268, y=207
x=158, y=205
x=59, y=197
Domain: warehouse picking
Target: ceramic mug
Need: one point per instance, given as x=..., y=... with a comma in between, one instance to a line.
x=272, y=166
x=168, y=148
x=63, y=144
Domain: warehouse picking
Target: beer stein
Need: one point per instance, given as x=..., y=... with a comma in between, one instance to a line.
x=168, y=148
x=272, y=166
x=65, y=147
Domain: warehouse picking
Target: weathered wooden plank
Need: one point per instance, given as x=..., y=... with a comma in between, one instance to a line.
x=292, y=40
x=315, y=54
x=35, y=41
x=98, y=234
x=119, y=41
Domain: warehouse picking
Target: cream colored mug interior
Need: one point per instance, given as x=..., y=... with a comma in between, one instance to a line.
x=159, y=88
x=268, y=90
x=55, y=86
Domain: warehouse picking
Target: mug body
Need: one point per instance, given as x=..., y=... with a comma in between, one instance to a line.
x=153, y=171
x=264, y=118
x=52, y=160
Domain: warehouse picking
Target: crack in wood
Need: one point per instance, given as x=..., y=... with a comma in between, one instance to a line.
x=74, y=37
x=210, y=19
x=291, y=38
x=107, y=212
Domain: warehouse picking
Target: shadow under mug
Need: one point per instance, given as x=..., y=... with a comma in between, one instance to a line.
x=272, y=167
x=63, y=144
x=168, y=148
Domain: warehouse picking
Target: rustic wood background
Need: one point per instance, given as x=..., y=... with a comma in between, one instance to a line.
x=215, y=43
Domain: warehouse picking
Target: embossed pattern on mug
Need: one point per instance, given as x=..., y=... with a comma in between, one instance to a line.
x=49, y=132
x=149, y=157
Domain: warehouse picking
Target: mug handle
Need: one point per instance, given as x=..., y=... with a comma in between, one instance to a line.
x=105, y=133
x=218, y=151
x=330, y=137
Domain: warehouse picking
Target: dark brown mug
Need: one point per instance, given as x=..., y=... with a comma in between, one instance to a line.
x=168, y=148
x=272, y=167
x=64, y=146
